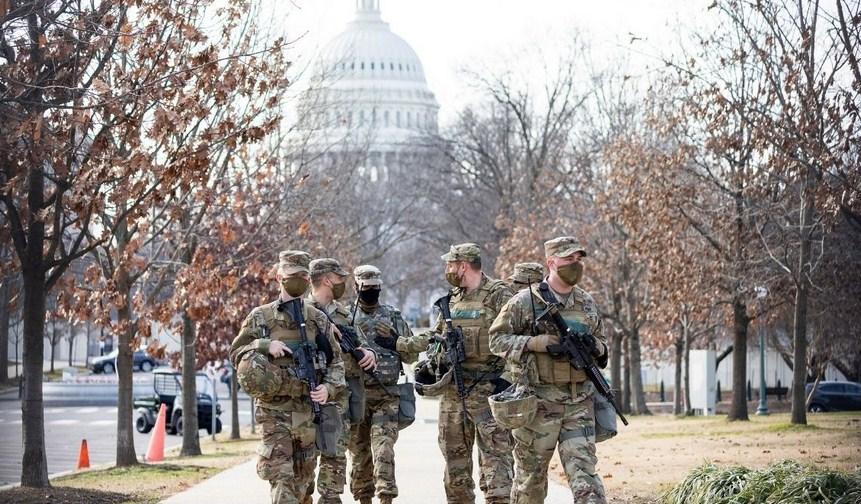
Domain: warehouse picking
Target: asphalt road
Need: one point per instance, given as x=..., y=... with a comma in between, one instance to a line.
x=67, y=424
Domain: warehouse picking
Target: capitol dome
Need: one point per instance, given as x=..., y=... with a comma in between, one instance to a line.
x=373, y=84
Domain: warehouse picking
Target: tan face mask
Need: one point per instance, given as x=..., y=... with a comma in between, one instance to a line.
x=295, y=286
x=338, y=290
x=454, y=278
x=571, y=274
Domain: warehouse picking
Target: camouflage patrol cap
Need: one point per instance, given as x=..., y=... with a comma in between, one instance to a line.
x=526, y=273
x=327, y=265
x=368, y=275
x=469, y=252
x=563, y=246
x=293, y=261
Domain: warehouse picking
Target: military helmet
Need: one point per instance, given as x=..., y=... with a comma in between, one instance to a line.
x=426, y=383
x=514, y=407
x=257, y=376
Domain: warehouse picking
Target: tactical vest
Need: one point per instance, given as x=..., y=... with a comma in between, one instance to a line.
x=388, y=362
x=474, y=319
x=553, y=370
x=282, y=328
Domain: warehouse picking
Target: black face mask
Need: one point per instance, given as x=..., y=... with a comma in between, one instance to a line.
x=369, y=296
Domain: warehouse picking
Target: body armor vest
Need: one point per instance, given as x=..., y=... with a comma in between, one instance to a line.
x=553, y=370
x=474, y=319
x=283, y=328
x=388, y=361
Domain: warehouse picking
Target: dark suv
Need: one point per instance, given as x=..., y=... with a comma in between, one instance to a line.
x=835, y=396
x=108, y=363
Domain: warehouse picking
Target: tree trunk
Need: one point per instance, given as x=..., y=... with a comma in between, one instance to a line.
x=799, y=325
x=53, y=341
x=686, y=344
x=616, y=362
x=71, y=342
x=626, y=379
x=126, y=455
x=738, y=408
x=34, y=465
x=190, y=439
x=5, y=315
x=639, y=395
x=234, y=405
x=677, y=379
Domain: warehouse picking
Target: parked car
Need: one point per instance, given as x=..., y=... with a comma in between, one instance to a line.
x=835, y=396
x=167, y=385
x=108, y=363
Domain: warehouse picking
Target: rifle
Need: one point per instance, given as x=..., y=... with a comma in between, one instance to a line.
x=305, y=355
x=349, y=344
x=572, y=347
x=454, y=350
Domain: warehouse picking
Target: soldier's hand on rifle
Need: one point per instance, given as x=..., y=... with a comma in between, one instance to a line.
x=279, y=349
x=368, y=362
x=320, y=394
x=595, y=349
x=387, y=343
x=540, y=342
x=384, y=329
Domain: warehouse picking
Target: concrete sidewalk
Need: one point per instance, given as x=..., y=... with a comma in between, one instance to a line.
x=418, y=468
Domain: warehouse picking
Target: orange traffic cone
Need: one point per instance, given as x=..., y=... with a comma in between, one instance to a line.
x=155, y=450
x=83, y=456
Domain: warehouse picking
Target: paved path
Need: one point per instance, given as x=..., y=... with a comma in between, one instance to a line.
x=418, y=468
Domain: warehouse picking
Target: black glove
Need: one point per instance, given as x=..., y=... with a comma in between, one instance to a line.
x=590, y=344
x=387, y=343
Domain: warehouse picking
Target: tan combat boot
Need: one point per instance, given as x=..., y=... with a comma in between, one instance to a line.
x=365, y=500
x=385, y=499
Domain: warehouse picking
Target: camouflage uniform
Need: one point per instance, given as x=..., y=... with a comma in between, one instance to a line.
x=287, y=449
x=526, y=274
x=372, y=444
x=473, y=312
x=565, y=414
x=333, y=470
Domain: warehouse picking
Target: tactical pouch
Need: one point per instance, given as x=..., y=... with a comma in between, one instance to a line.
x=356, y=405
x=605, y=419
x=329, y=429
x=406, y=405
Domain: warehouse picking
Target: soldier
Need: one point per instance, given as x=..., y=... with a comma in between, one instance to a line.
x=565, y=413
x=526, y=274
x=476, y=300
x=372, y=444
x=263, y=351
x=328, y=282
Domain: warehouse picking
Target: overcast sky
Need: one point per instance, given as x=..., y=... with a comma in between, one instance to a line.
x=449, y=35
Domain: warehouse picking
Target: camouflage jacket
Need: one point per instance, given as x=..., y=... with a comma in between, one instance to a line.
x=388, y=362
x=514, y=326
x=341, y=315
x=484, y=302
x=249, y=339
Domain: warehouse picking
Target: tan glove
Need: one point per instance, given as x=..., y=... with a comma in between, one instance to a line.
x=540, y=342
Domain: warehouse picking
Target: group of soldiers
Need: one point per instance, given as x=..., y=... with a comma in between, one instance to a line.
x=505, y=345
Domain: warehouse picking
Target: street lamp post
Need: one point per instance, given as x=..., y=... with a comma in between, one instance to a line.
x=763, y=402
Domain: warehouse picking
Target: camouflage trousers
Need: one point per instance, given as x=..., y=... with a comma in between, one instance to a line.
x=333, y=470
x=287, y=454
x=571, y=427
x=456, y=439
x=372, y=445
